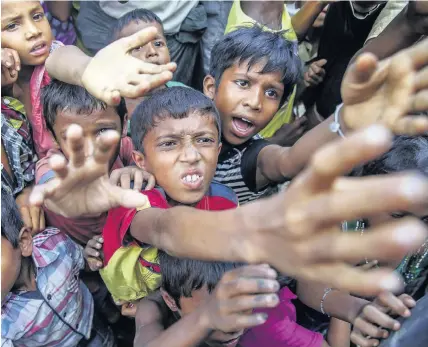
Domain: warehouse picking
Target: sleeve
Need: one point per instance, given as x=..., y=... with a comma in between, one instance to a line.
x=249, y=162
x=76, y=252
x=43, y=170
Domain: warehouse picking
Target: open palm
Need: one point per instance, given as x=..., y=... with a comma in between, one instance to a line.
x=81, y=186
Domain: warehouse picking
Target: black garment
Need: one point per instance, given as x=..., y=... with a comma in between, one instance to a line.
x=343, y=35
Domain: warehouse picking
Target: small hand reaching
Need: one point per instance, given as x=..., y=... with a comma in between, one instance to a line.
x=81, y=186
x=10, y=66
x=93, y=253
x=315, y=74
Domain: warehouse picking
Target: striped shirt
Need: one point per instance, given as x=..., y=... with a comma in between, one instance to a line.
x=60, y=311
x=237, y=168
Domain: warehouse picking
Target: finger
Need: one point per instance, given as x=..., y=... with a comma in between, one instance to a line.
x=239, y=322
x=370, y=265
x=7, y=59
x=136, y=40
x=250, y=302
x=42, y=222
x=35, y=218
x=374, y=315
x=321, y=62
x=418, y=54
x=151, y=182
x=92, y=252
x=17, y=61
x=421, y=79
x=386, y=193
x=115, y=177
x=251, y=271
x=362, y=69
x=144, y=84
x=75, y=141
x=369, y=329
x=129, y=198
x=315, y=69
x=411, y=125
x=138, y=180
x=419, y=101
x=94, y=264
x=26, y=216
x=58, y=164
x=42, y=192
x=389, y=300
x=407, y=300
x=144, y=69
x=341, y=156
x=125, y=181
x=243, y=285
x=105, y=145
x=361, y=341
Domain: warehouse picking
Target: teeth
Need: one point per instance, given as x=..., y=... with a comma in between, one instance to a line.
x=246, y=121
x=191, y=178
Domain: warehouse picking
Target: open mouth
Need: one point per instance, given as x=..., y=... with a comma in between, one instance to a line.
x=192, y=180
x=39, y=49
x=242, y=127
x=230, y=342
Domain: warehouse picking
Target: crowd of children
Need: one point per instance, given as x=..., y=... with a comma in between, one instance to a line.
x=132, y=200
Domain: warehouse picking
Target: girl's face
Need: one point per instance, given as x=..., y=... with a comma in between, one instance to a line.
x=25, y=29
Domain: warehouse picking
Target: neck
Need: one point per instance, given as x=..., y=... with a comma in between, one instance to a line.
x=25, y=74
x=27, y=278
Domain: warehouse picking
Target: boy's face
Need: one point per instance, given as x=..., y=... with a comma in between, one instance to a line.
x=26, y=30
x=154, y=52
x=217, y=338
x=10, y=266
x=182, y=155
x=92, y=124
x=246, y=99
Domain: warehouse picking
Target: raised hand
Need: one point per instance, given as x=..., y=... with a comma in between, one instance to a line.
x=315, y=74
x=81, y=186
x=93, y=253
x=10, y=66
x=388, y=92
x=239, y=292
x=113, y=72
x=300, y=229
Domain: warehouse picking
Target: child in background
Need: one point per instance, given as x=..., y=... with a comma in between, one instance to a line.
x=44, y=303
x=215, y=303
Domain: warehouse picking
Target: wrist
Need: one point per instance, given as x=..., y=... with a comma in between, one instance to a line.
x=80, y=71
x=355, y=308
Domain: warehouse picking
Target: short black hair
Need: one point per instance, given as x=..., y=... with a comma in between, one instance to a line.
x=407, y=153
x=180, y=276
x=176, y=103
x=58, y=96
x=254, y=44
x=137, y=15
x=11, y=221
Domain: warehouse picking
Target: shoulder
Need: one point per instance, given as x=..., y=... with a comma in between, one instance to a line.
x=222, y=191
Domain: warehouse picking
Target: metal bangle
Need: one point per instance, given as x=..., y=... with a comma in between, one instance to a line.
x=326, y=292
x=335, y=125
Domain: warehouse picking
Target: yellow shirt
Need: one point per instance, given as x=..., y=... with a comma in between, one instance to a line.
x=237, y=18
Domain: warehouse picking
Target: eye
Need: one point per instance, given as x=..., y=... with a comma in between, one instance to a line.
x=242, y=83
x=158, y=43
x=38, y=16
x=11, y=26
x=398, y=214
x=137, y=49
x=272, y=93
x=167, y=144
x=103, y=130
x=205, y=140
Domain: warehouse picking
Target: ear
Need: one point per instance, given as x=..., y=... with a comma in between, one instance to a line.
x=139, y=159
x=25, y=242
x=209, y=86
x=125, y=125
x=219, y=147
x=169, y=301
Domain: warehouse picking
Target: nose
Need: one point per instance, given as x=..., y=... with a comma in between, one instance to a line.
x=32, y=30
x=254, y=99
x=190, y=154
x=150, y=51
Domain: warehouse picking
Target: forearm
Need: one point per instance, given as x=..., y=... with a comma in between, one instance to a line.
x=67, y=64
x=267, y=13
x=339, y=333
x=303, y=20
x=179, y=231
x=388, y=42
x=336, y=303
x=189, y=331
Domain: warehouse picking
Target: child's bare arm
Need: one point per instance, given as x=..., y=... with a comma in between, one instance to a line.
x=384, y=92
x=305, y=17
x=338, y=334
x=113, y=72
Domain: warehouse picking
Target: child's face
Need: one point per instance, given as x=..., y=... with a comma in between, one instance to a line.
x=217, y=338
x=26, y=30
x=246, y=99
x=154, y=52
x=182, y=154
x=92, y=124
x=10, y=266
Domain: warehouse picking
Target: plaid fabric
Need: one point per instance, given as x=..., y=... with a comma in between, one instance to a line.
x=17, y=142
x=60, y=312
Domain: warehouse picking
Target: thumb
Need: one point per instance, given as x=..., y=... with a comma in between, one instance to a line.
x=321, y=62
x=362, y=69
x=128, y=198
x=138, y=39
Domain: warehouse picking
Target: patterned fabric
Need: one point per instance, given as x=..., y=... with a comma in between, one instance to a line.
x=60, y=312
x=62, y=31
x=131, y=270
x=42, y=137
x=18, y=144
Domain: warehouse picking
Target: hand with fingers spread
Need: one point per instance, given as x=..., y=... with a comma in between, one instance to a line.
x=288, y=134
x=375, y=319
x=140, y=178
x=388, y=92
x=113, y=72
x=32, y=216
x=10, y=66
x=315, y=74
x=93, y=253
x=81, y=186
x=239, y=292
x=302, y=236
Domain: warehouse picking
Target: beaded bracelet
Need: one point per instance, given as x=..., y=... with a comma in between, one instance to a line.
x=326, y=292
x=335, y=125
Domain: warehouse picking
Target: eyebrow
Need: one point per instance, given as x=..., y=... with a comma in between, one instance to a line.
x=19, y=16
x=248, y=76
x=180, y=135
